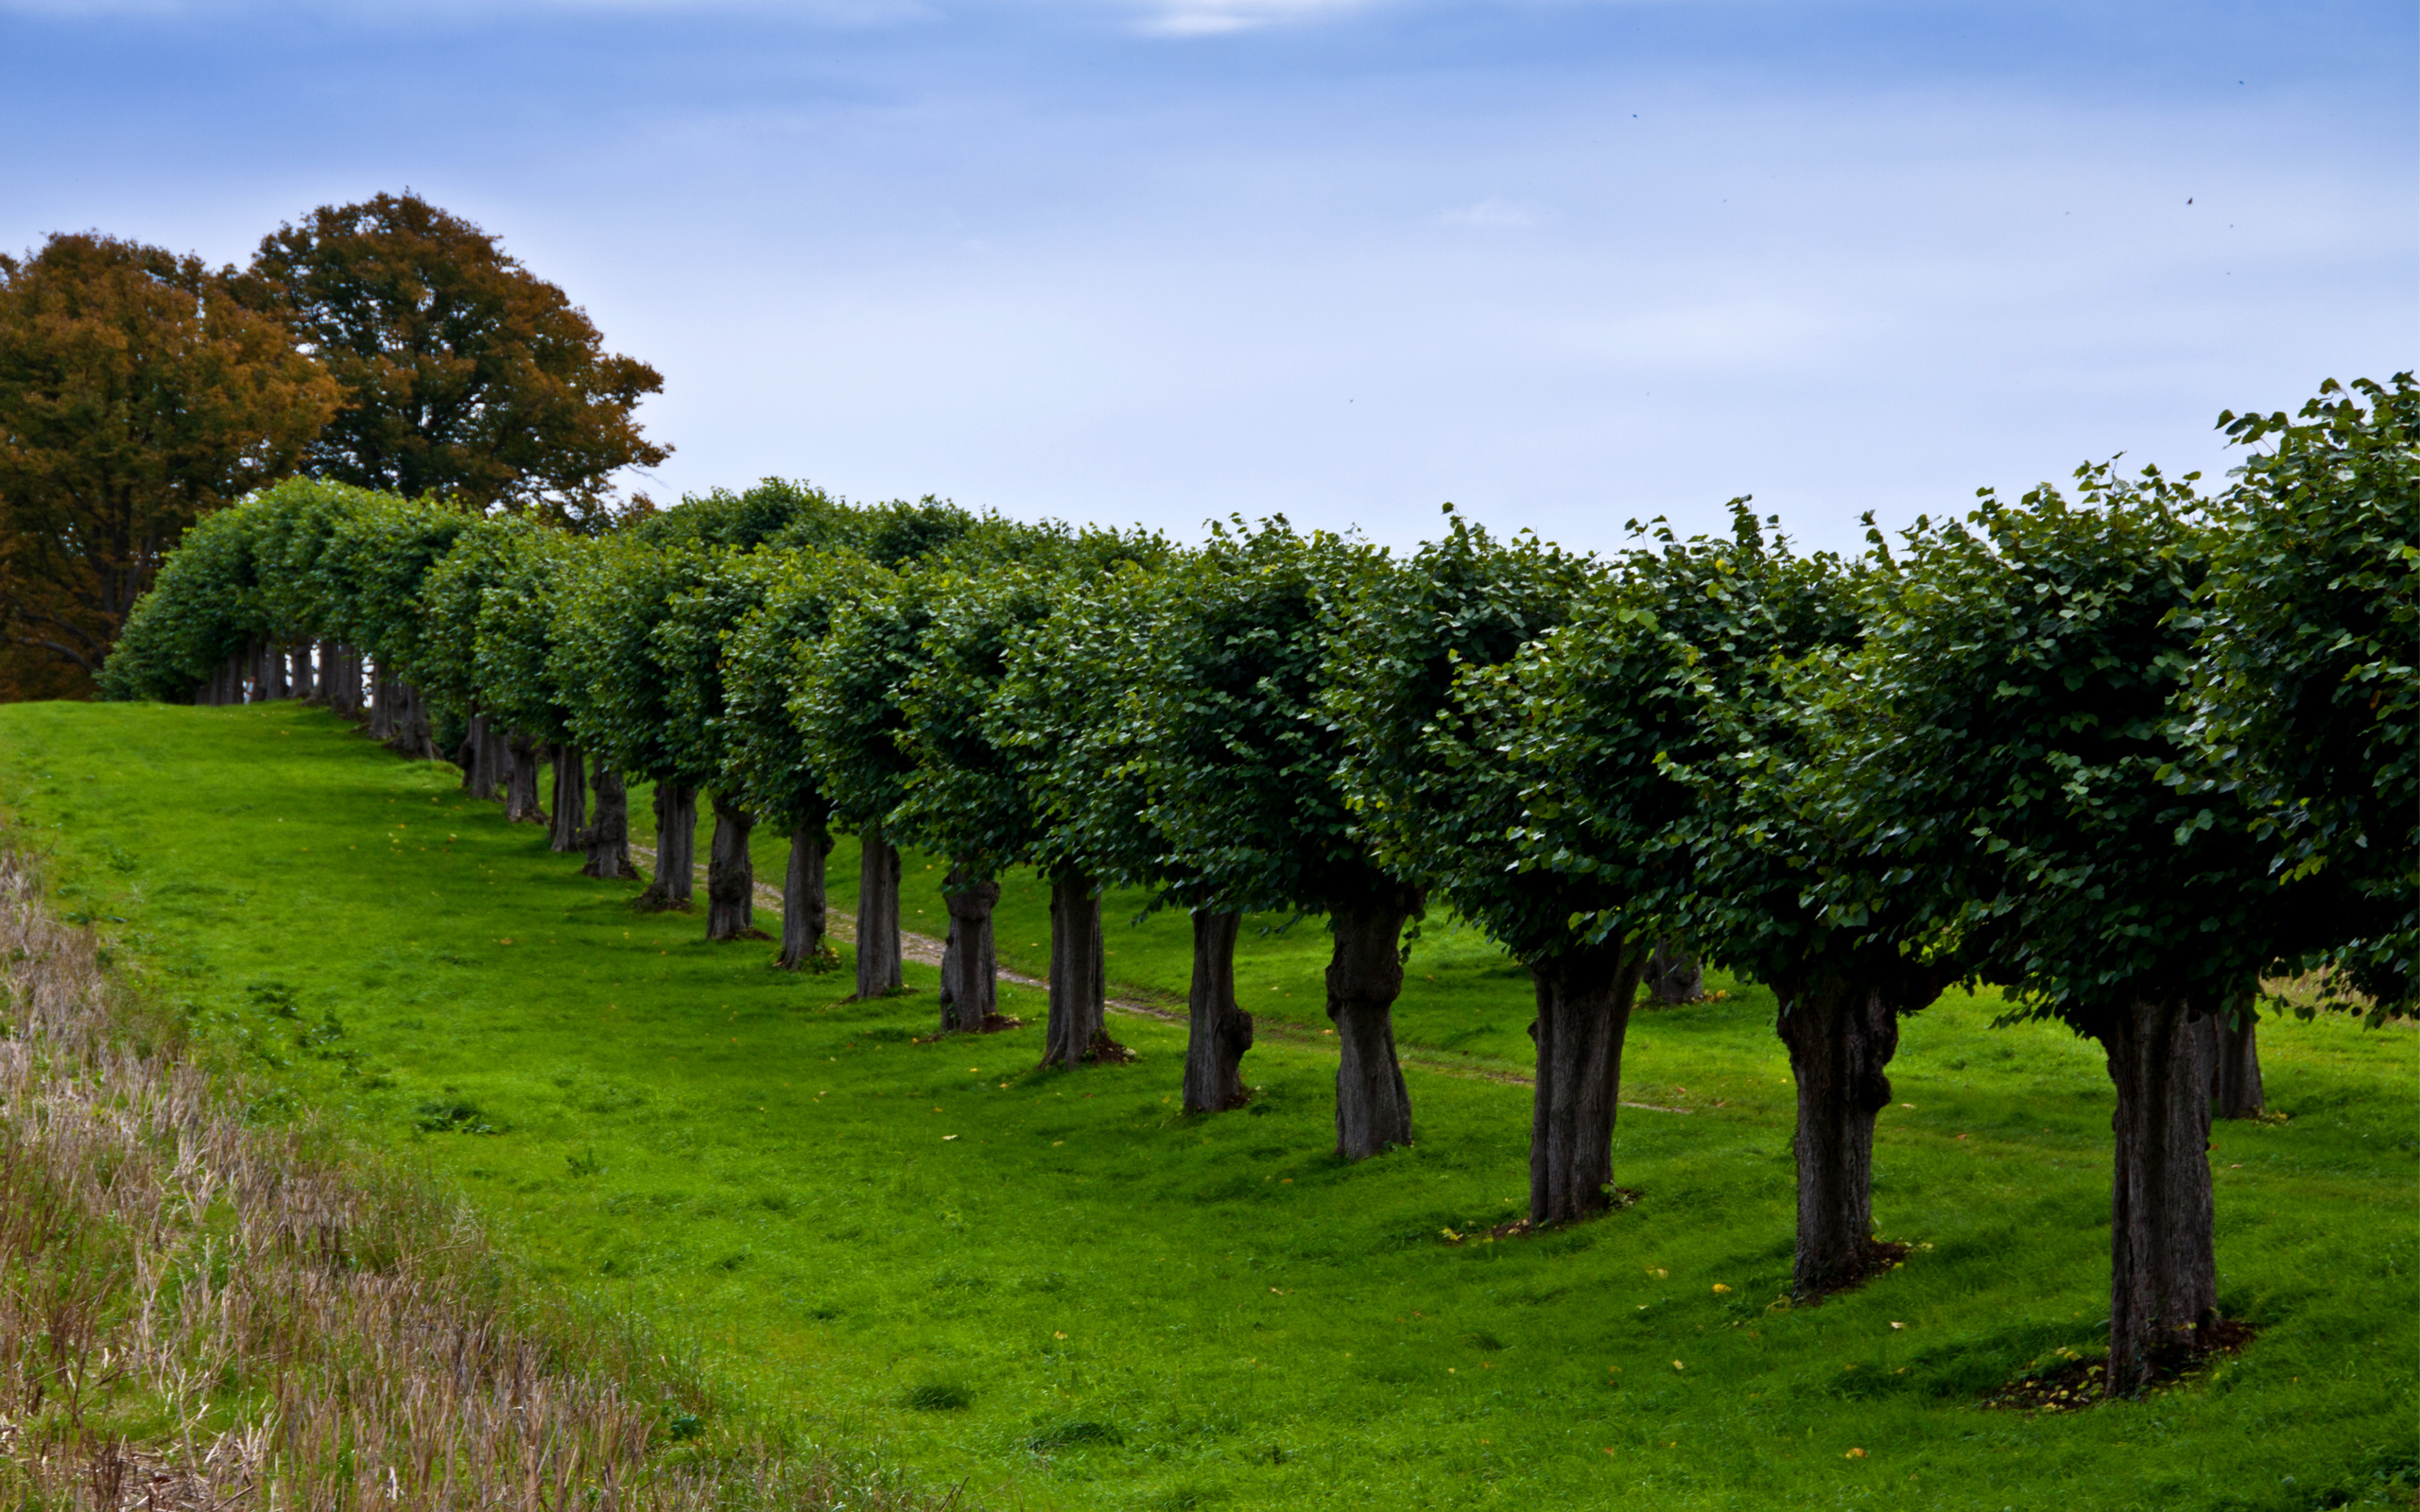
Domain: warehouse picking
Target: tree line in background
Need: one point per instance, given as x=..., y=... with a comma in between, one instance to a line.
x=386, y=344
x=2124, y=752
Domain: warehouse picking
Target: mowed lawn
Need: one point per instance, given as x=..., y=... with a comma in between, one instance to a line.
x=1058, y=1289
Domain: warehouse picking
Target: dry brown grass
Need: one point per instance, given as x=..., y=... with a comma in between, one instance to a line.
x=197, y=1311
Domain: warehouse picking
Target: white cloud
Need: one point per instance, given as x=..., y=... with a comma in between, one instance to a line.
x=1219, y=18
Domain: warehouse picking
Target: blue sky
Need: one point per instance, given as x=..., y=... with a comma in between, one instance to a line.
x=1562, y=263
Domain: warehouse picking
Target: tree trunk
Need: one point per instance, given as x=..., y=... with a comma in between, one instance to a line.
x=2239, y=1066
x=1584, y=998
x=731, y=875
x=479, y=747
x=569, y=830
x=300, y=680
x=877, y=914
x=609, y=837
x=803, y=900
x=382, y=700
x=1674, y=975
x=1841, y=1035
x=340, y=678
x=1364, y=976
x=676, y=848
x=521, y=804
x=272, y=671
x=227, y=683
x=2163, y=1274
x=1079, y=995
x=1220, y=1031
x=970, y=968
x=410, y=736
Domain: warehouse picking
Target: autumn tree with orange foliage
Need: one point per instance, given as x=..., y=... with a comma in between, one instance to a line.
x=463, y=372
x=137, y=394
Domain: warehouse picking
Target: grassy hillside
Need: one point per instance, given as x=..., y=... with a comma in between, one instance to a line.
x=1061, y=1290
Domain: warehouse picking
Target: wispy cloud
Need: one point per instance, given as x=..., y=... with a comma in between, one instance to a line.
x=1501, y=214
x=1219, y=18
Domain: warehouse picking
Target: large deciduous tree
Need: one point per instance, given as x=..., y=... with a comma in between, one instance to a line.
x=847, y=708
x=1765, y=829
x=1240, y=767
x=462, y=372
x=765, y=761
x=137, y=394
x=2307, y=695
x=689, y=648
x=2009, y=772
x=615, y=690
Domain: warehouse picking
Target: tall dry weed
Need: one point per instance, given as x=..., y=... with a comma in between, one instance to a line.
x=196, y=1311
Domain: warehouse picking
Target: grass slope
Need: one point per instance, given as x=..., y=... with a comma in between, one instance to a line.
x=1058, y=1288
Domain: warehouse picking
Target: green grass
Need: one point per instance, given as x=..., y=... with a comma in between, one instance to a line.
x=1065, y=1293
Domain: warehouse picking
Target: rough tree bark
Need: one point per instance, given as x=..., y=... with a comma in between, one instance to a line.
x=803, y=908
x=877, y=914
x=970, y=967
x=270, y=679
x=300, y=678
x=382, y=700
x=1221, y=1030
x=411, y=736
x=340, y=676
x=2238, y=1073
x=608, y=835
x=1364, y=975
x=1079, y=1027
x=521, y=779
x=2164, y=1273
x=731, y=875
x=1584, y=999
x=1841, y=1035
x=482, y=773
x=569, y=830
x=676, y=849
x=1674, y=975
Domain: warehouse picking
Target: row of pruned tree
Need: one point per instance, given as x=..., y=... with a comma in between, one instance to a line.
x=2124, y=752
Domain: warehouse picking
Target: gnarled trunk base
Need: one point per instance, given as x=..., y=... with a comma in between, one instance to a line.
x=731, y=875
x=569, y=830
x=802, y=903
x=1220, y=1031
x=608, y=834
x=520, y=805
x=1585, y=1000
x=2164, y=1273
x=676, y=850
x=1364, y=977
x=1841, y=1036
x=1079, y=1028
x=970, y=967
x=877, y=914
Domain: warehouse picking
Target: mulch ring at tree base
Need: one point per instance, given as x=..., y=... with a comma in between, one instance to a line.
x=1617, y=1198
x=2075, y=1382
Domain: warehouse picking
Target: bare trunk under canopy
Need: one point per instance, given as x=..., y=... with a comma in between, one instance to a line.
x=1078, y=1029
x=804, y=906
x=1584, y=998
x=2163, y=1274
x=1364, y=977
x=970, y=967
x=2238, y=1083
x=877, y=914
x=676, y=849
x=521, y=804
x=1842, y=1034
x=609, y=834
x=731, y=875
x=1218, y=1031
x=569, y=830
